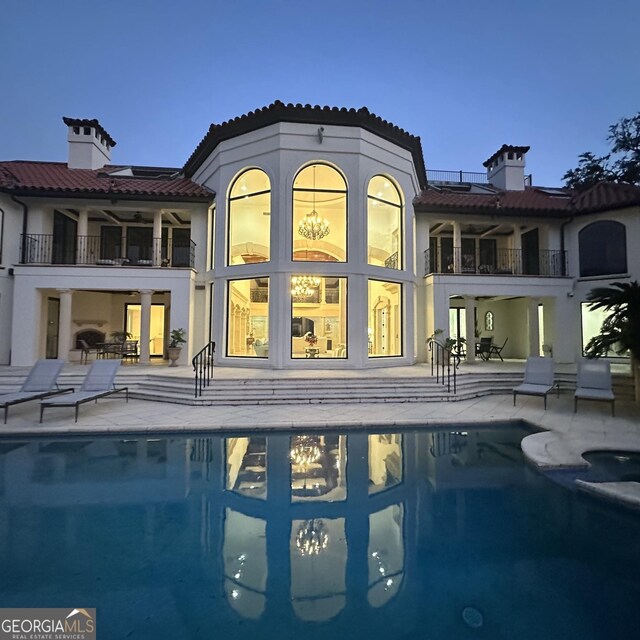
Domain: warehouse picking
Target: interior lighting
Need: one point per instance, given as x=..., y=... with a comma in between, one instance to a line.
x=304, y=286
x=313, y=227
x=305, y=451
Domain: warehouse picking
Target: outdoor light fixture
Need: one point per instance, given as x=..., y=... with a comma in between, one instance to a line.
x=313, y=227
x=304, y=286
x=312, y=538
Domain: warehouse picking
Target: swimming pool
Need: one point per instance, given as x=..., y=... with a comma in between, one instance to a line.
x=395, y=534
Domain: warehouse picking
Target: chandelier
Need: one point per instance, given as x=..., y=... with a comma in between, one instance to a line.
x=313, y=227
x=304, y=286
x=305, y=451
x=312, y=538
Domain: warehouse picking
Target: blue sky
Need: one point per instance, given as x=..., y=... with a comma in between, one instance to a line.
x=464, y=75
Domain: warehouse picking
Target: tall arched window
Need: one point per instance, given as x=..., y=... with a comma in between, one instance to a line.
x=319, y=215
x=603, y=248
x=384, y=224
x=249, y=211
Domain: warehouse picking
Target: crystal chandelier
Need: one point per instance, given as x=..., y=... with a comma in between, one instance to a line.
x=305, y=451
x=304, y=286
x=313, y=227
x=312, y=538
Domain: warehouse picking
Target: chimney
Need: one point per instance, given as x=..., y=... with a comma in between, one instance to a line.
x=89, y=144
x=505, y=168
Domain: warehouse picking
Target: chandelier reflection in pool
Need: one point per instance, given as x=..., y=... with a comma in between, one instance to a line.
x=312, y=537
x=305, y=451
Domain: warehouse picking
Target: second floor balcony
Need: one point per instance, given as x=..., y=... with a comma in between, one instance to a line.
x=48, y=249
x=547, y=263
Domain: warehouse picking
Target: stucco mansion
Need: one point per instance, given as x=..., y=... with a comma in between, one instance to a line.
x=302, y=237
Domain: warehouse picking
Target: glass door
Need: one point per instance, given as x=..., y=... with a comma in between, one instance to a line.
x=156, y=332
x=53, y=327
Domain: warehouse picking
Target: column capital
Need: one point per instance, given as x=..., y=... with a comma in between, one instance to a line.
x=63, y=291
x=145, y=292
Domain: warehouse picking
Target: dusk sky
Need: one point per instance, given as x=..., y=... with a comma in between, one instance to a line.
x=464, y=75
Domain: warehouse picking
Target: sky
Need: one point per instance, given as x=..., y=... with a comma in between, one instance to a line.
x=464, y=75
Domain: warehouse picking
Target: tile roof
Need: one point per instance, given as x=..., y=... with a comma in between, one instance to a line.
x=56, y=179
x=503, y=149
x=532, y=201
x=86, y=122
x=280, y=112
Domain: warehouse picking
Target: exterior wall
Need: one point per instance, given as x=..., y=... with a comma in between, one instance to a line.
x=281, y=150
x=33, y=285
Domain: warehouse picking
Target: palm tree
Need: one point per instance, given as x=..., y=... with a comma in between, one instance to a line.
x=620, y=331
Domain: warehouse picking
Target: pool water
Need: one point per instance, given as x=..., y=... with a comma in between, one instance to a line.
x=398, y=534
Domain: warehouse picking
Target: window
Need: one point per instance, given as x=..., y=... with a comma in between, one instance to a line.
x=385, y=319
x=603, y=248
x=592, y=320
x=1, y=233
x=488, y=321
x=318, y=317
x=385, y=461
x=248, y=318
x=384, y=224
x=249, y=211
x=319, y=215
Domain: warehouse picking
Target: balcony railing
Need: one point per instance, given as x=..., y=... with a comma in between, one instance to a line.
x=468, y=177
x=94, y=250
x=549, y=263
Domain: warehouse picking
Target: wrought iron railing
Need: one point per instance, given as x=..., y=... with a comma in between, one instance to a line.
x=40, y=248
x=550, y=263
x=469, y=177
x=441, y=363
x=203, y=367
x=392, y=261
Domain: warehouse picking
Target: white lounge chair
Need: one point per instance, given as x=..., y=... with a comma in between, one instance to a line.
x=594, y=383
x=40, y=383
x=538, y=379
x=99, y=382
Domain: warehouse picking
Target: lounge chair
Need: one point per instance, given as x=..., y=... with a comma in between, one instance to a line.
x=538, y=379
x=40, y=383
x=594, y=383
x=99, y=382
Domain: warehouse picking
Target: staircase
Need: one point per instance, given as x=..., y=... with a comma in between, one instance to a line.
x=338, y=390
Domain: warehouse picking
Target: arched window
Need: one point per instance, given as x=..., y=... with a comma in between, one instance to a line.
x=384, y=224
x=319, y=215
x=603, y=248
x=249, y=211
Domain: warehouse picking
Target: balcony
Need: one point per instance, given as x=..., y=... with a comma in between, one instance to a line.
x=549, y=263
x=94, y=250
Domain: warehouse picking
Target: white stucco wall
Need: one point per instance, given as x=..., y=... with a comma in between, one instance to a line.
x=281, y=150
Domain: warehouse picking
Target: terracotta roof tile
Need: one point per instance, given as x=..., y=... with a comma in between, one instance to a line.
x=53, y=178
x=533, y=200
x=280, y=112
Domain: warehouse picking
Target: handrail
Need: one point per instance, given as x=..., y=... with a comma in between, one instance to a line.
x=442, y=364
x=203, y=367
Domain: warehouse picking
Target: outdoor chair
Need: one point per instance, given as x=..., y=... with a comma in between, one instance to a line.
x=495, y=350
x=86, y=351
x=538, y=379
x=483, y=348
x=99, y=382
x=129, y=349
x=594, y=383
x=39, y=384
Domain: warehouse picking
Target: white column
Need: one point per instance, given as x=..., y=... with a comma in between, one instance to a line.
x=145, y=322
x=64, y=328
x=457, y=248
x=516, y=262
x=470, y=327
x=534, y=327
x=82, y=245
x=157, y=238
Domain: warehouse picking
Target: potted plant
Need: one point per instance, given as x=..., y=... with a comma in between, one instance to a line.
x=120, y=336
x=176, y=339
